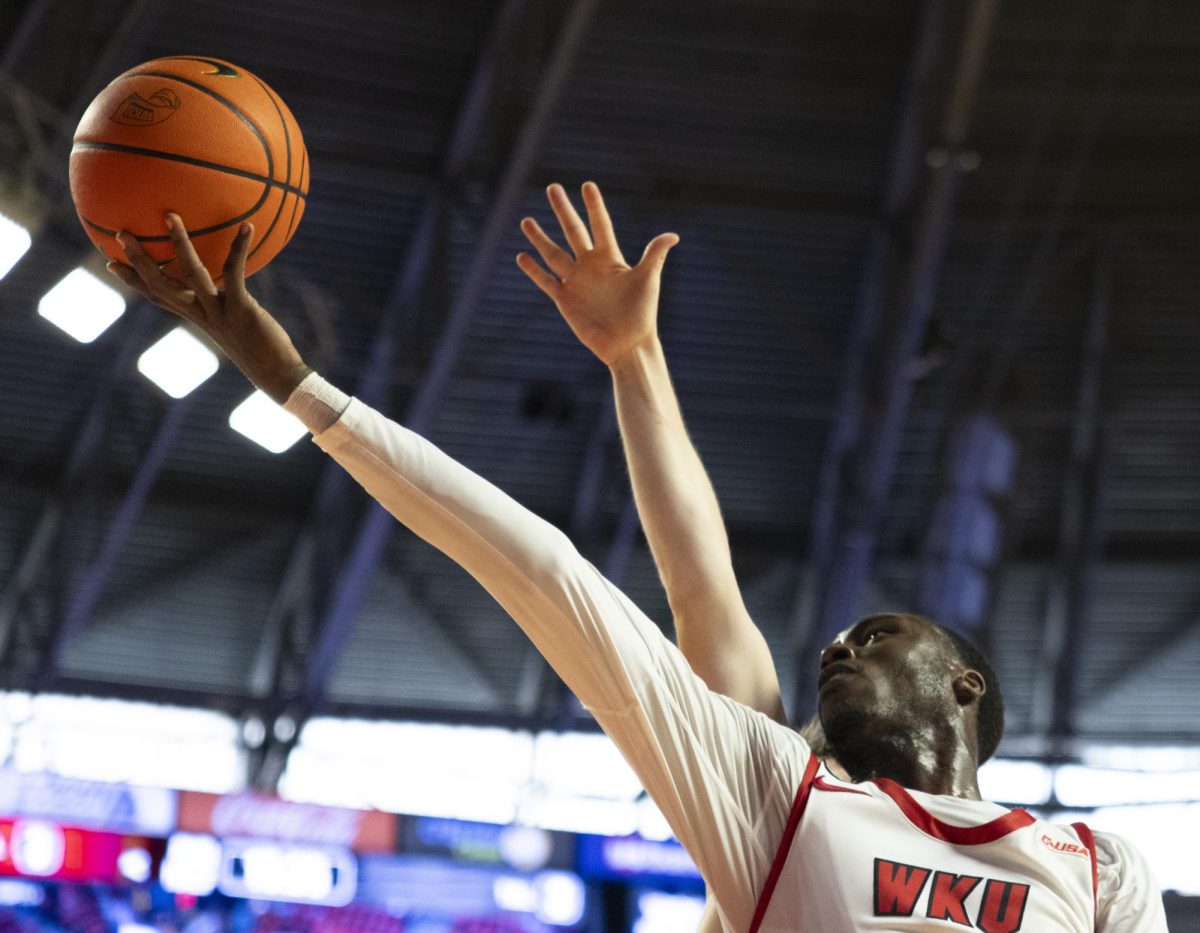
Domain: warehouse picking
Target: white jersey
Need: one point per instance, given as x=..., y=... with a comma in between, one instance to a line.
x=877, y=856
x=724, y=776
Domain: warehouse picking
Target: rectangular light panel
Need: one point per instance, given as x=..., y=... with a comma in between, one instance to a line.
x=14, y=242
x=178, y=363
x=266, y=423
x=82, y=305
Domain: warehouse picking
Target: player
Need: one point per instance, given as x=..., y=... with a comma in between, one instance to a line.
x=675, y=499
x=782, y=843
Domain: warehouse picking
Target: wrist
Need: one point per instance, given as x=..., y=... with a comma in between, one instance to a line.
x=281, y=383
x=646, y=352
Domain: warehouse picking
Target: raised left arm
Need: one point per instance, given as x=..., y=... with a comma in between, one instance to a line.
x=612, y=308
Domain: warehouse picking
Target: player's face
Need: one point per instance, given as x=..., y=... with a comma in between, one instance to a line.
x=885, y=674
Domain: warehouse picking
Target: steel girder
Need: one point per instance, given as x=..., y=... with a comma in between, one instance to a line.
x=365, y=546
x=873, y=401
x=1071, y=590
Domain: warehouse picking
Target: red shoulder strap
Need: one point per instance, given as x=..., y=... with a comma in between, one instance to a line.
x=1086, y=837
x=785, y=844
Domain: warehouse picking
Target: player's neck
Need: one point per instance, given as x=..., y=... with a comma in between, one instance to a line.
x=922, y=761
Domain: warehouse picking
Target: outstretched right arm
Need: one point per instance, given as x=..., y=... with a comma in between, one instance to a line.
x=722, y=775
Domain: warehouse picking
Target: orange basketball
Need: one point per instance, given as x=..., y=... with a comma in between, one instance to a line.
x=197, y=136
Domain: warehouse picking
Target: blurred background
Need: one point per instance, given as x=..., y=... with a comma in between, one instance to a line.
x=933, y=326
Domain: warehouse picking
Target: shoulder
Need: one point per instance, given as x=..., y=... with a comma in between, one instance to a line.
x=1116, y=853
x=1128, y=897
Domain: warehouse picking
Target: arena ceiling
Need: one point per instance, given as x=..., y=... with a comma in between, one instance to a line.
x=894, y=215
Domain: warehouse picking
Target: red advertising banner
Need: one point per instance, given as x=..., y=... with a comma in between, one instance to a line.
x=265, y=817
x=35, y=848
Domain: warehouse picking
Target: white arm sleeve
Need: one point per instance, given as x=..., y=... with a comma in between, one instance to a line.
x=1129, y=900
x=722, y=774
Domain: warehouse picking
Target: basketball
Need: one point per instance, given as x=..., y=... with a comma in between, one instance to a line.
x=198, y=136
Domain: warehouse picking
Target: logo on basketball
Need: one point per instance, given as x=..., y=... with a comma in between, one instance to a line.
x=220, y=69
x=136, y=110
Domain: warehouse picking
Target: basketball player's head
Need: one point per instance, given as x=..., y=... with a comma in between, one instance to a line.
x=900, y=685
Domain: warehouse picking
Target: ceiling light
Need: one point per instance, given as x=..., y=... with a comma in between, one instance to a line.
x=1014, y=781
x=266, y=423
x=82, y=305
x=178, y=363
x=1077, y=786
x=14, y=241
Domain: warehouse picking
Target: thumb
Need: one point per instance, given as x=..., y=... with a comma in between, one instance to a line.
x=657, y=249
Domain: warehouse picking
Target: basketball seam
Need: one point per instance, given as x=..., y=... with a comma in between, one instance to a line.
x=295, y=204
x=163, y=238
x=192, y=234
x=190, y=160
x=287, y=143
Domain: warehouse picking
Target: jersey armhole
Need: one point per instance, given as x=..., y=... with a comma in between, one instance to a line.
x=785, y=843
x=1086, y=837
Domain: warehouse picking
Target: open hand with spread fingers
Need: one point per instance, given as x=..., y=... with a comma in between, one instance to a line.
x=238, y=324
x=612, y=307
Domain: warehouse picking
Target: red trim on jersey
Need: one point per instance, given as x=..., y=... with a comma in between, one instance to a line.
x=1086, y=837
x=785, y=844
x=929, y=824
x=819, y=784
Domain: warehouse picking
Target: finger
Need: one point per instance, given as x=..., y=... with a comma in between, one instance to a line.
x=539, y=276
x=553, y=255
x=656, y=251
x=190, y=266
x=598, y=219
x=131, y=278
x=160, y=285
x=573, y=227
x=234, y=273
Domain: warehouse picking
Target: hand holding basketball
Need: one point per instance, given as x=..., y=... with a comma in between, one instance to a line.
x=611, y=306
x=198, y=136
x=229, y=314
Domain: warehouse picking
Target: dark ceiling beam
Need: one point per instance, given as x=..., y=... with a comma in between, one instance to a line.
x=350, y=588
x=538, y=688
x=364, y=548
x=588, y=499
x=1060, y=214
x=139, y=20
x=566, y=708
x=1146, y=662
x=127, y=338
x=51, y=256
x=905, y=158
x=889, y=393
x=864, y=449
x=1001, y=237
x=296, y=605
x=828, y=209
x=60, y=245
x=15, y=48
x=86, y=593
x=1071, y=592
x=274, y=653
x=284, y=726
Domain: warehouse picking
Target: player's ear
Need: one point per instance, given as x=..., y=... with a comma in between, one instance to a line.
x=969, y=686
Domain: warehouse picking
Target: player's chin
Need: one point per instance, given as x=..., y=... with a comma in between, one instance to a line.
x=843, y=705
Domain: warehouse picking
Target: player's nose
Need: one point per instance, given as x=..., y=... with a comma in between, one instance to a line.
x=838, y=651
